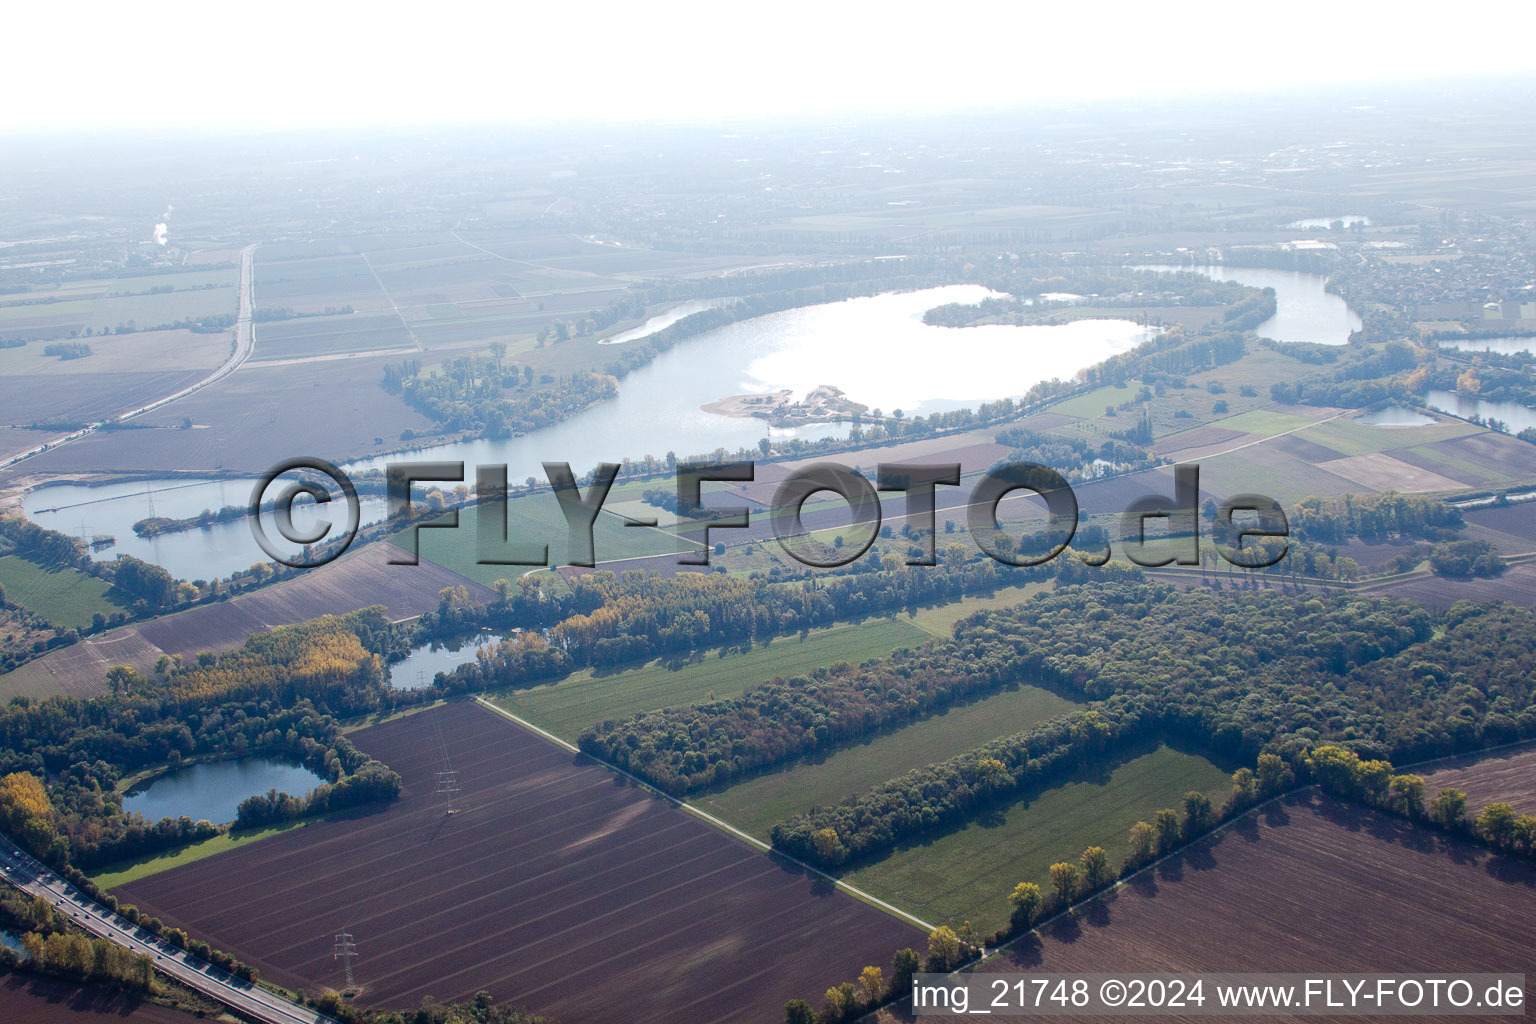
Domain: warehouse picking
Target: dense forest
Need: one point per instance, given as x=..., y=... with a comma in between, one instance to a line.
x=276, y=696
x=1237, y=673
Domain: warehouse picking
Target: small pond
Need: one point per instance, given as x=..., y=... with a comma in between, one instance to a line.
x=422, y=665
x=213, y=791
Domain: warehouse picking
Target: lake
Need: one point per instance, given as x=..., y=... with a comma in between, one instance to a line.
x=422, y=665
x=1395, y=416
x=1304, y=309
x=213, y=791
x=1503, y=346
x=877, y=349
x=1515, y=416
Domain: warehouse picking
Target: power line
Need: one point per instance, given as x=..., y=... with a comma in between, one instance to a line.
x=344, y=950
x=448, y=784
x=447, y=779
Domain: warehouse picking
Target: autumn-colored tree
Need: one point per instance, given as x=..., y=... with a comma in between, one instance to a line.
x=1025, y=900
x=828, y=847
x=1497, y=824
x=1095, y=867
x=1245, y=787
x=1143, y=842
x=872, y=983
x=943, y=948
x=27, y=814
x=1449, y=808
x=840, y=1003
x=1064, y=881
x=1408, y=795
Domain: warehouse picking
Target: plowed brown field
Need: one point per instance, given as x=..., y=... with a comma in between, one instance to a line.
x=555, y=886
x=1310, y=885
x=1507, y=776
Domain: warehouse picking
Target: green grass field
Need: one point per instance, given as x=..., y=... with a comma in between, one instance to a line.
x=536, y=519
x=568, y=707
x=65, y=597
x=1262, y=422
x=1093, y=404
x=754, y=805
x=142, y=867
x=966, y=875
x=940, y=620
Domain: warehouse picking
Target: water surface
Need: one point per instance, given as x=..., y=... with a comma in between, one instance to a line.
x=422, y=665
x=213, y=791
x=1502, y=346
x=1516, y=417
x=1395, y=416
x=1304, y=310
x=877, y=349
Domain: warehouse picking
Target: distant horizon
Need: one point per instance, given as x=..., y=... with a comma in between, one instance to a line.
x=1197, y=106
x=181, y=67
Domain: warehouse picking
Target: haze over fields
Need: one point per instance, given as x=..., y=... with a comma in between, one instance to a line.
x=479, y=457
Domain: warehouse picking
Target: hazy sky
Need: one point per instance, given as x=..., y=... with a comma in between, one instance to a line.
x=303, y=64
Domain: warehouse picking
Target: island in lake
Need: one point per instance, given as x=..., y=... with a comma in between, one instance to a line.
x=824, y=404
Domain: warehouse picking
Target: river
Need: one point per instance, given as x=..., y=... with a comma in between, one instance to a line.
x=877, y=349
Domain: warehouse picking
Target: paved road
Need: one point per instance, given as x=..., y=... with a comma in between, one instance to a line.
x=245, y=341
x=254, y=1001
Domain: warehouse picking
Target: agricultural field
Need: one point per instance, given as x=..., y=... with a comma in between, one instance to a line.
x=1348, y=436
x=37, y=999
x=102, y=304
x=1269, y=894
x=535, y=519
x=966, y=875
x=63, y=596
x=1501, y=776
x=141, y=351
x=250, y=420
x=357, y=580
x=331, y=336
x=554, y=886
x=82, y=397
x=755, y=804
x=1437, y=593
x=940, y=619
x=571, y=705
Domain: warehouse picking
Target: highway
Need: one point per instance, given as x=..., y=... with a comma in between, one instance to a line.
x=245, y=341
x=27, y=874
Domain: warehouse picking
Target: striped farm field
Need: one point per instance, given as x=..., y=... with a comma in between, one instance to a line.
x=584, y=699
x=966, y=875
x=554, y=886
x=754, y=805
